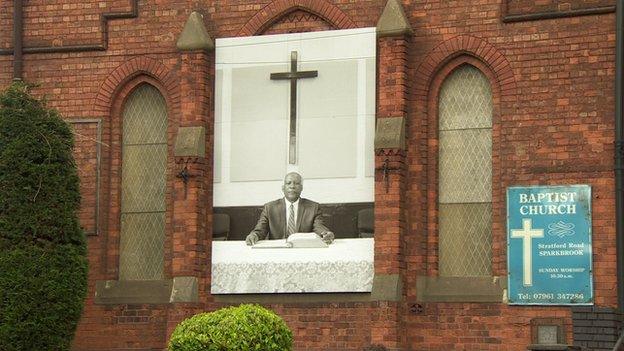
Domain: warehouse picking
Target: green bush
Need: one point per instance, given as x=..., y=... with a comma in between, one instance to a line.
x=246, y=327
x=43, y=263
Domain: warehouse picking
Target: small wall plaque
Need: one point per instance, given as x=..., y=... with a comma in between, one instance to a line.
x=547, y=334
x=547, y=331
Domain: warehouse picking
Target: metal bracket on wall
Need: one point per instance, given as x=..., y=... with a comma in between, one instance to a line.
x=416, y=308
x=619, y=155
x=185, y=175
x=386, y=169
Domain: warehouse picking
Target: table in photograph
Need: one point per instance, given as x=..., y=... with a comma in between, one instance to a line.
x=345, y=266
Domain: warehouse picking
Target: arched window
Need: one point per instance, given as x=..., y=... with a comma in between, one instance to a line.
x=143, y=180
x=465, y=174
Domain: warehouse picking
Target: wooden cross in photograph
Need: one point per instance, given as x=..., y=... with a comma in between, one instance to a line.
x=293, y=75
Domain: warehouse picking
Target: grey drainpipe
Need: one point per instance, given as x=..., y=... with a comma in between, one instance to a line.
x=18, y=16
x=619, y=155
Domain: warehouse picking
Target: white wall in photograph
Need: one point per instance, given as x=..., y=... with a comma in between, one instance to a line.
x=335, y=117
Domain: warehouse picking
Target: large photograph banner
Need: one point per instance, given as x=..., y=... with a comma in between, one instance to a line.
x=294, y=163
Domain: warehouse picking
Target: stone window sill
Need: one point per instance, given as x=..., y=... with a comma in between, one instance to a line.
x=185, y=289
x=178, y=289
x=461, y=289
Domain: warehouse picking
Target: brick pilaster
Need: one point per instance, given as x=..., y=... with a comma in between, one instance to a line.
x=390, y=187
x=192, y=205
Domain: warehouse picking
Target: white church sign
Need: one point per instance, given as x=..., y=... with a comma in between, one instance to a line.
x=549, y=256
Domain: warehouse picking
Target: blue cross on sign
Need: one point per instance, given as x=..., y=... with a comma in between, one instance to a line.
x=549, y=246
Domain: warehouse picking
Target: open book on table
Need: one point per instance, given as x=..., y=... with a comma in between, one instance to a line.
x=296, y=240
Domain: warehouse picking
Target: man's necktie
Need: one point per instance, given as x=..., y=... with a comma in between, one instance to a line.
x=291, y=220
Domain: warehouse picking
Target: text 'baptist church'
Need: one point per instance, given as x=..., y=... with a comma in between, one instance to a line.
x=554, y=203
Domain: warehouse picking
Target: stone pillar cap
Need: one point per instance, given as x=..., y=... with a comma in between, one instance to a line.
x=393, y=21
x=194, y=36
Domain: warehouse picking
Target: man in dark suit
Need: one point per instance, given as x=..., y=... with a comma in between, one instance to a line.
x=290, y=214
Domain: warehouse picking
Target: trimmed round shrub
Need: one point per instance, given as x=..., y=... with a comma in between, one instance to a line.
x=43, y=262
x=246, y=327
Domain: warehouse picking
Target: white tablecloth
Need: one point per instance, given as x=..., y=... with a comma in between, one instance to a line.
x=345, y=266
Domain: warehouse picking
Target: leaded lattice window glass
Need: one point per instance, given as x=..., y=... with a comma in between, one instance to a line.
x=143, y=180
x=465, y=174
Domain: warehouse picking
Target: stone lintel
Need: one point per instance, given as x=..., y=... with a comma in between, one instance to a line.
x=190, y=142
x=194, y=36
x=178, y=289
x=390, y=133
x=393, y=21
x=461, y=289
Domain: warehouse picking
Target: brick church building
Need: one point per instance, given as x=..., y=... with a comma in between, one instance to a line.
x=428, y=115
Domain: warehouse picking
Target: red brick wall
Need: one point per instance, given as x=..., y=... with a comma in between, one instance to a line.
x=6, y=23
x=295, y=21
x=124, y=327
x=553, y=124
x=87, y=140
x=553, y=83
